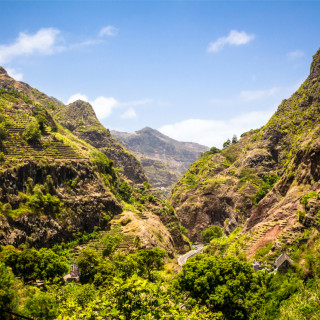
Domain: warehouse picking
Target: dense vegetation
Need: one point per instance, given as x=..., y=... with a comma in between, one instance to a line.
x=143, y=285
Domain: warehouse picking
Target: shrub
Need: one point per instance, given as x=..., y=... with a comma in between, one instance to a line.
x=211, y=233
x=268, y=182
x=3, y=132
x=110, y=243
x=32, y=132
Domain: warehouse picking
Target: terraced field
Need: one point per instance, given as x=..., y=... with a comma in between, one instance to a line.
x=127, y=241
x=50, y=147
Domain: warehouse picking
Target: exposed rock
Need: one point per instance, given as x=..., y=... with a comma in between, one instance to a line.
x=164, y=159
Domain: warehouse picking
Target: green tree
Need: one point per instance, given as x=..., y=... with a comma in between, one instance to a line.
x=227, y=143
x=225, y=285
x=234, y=139
x=150, y=260
x=31, y=264
x=87, y=261
x=211, y=233
x=105, y=273
x=9, y=295
x=41, y=306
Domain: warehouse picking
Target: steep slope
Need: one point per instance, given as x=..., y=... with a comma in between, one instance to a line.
x=268, y=181
x=164, y=159
x=55, y=187
x=79, y=118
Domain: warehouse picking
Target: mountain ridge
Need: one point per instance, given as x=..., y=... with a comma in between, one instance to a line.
x=260, y=182
x=164, y=159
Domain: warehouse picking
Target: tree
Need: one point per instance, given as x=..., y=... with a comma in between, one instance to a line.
x=105, y=273
x=110, y=243
x=222, y=284
x=214, y=150
x=234, y=139
x=211, y=233
x=87, y=261
x=149, y=260
x=227, y=143
x=9, y=296
x=31, y=264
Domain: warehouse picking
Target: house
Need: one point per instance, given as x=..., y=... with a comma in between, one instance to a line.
x=74, y=274
x=283, y=262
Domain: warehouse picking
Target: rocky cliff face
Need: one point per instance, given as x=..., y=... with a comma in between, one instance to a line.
x=164, y=159
x=262, y=182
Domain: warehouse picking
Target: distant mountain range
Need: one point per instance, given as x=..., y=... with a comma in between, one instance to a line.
x=164, y=159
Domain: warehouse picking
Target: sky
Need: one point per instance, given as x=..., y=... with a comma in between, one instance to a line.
x=198, y=71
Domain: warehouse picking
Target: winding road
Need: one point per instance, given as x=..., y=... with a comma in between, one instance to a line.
x=183, y=259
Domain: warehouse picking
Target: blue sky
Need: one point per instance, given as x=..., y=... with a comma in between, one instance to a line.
x=196, y=70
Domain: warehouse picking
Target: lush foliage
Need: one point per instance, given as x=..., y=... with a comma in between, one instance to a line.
x=32, y=264
x=32, y=132
x=211, y=233
x=222, y=284
x=268, y=181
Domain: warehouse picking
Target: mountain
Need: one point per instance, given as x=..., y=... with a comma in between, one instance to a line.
x=80, y=118
x=164, y=159
x=267, y=182
x=57, y=182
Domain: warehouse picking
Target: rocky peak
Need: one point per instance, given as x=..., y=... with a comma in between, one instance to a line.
x=315, y=66
x=3, y=71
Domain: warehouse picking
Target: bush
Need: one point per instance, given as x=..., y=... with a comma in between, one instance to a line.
x=268, y=182
x=110, y=243
x=32, y=132
x=3, y=132
x=124, y=192
x=211, y=233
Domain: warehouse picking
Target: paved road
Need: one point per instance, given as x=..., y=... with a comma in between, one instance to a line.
x=183, y=259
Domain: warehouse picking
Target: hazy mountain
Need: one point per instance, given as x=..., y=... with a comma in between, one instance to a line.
x=164, y=159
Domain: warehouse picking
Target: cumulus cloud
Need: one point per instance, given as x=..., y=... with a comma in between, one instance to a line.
x=43, y=42
x=14, y=74
x=295, y=54
x=78, y=96
x=104, y=106
x=109, y=31
x=215, y=132
x=234, y=38
x=129, y=114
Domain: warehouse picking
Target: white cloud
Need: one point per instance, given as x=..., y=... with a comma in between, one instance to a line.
x=129, y=114
x=77, y=96
x=295, y=54
x=43, y=42
x=109, y=31
x=215, y=132
x=104, y=106
x=14, y=74
x=235, y=38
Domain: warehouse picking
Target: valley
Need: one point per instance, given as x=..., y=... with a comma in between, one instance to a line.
x=72, y=192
